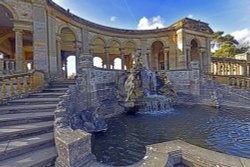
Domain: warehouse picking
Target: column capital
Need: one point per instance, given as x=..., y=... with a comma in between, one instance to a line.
x=166, y=49
x=106, y=48
x=18, y=30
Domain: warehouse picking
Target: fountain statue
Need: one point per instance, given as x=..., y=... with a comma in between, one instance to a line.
x=165, y=88
x=146, y=90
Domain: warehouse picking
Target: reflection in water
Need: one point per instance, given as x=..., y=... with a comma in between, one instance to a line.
x=223, y=130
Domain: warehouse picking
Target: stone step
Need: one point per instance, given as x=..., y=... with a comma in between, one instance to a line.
x=9, y=109
x=64, y=82
x=12, y=148
x=44, y=94
x=24, y=118
x=37, y=158
x=35, y=101
x=17, y=131
x=58, y=90
x=59, y=86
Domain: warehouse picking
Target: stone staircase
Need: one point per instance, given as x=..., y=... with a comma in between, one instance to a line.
x=26, y=128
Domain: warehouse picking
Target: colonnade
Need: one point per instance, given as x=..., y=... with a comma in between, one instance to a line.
x=147, y=56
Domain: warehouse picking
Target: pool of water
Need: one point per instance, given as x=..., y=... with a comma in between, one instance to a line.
x=224, y=130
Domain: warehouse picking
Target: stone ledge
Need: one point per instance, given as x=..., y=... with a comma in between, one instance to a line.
x=168, y=154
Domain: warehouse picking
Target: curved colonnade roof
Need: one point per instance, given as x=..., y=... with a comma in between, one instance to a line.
x=179, y=24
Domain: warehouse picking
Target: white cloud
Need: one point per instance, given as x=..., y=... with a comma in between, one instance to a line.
x=60, y=2
x=112, y=18
x=190, y=16
x=243, y=36
x=152, y=23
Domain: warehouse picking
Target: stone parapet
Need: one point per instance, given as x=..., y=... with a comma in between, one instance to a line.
x=175, y=152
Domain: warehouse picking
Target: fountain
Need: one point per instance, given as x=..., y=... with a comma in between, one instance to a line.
x=147, y=90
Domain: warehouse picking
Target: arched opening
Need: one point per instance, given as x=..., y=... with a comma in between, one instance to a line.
x=118, y=63
x=7, y=41
x=195, y=55
x=98, y=51
x=68, y=51
x=114, y=52
x=15, y=57
x=97, y=61
x=71, y=67
x=156, y=61
x=130, y=49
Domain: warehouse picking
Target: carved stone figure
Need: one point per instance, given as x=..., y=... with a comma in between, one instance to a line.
x=165, y=88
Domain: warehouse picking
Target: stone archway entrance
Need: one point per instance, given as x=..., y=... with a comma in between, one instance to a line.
x=68, y=53
x=16, y=45
x=195, y=54
x=156, y=61
x=129, y=50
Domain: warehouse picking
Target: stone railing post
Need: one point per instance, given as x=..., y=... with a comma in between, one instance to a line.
x=3, y=89
x=11, y=87
x=1, y=66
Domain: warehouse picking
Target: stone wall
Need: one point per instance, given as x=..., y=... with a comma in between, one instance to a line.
x=82, y=109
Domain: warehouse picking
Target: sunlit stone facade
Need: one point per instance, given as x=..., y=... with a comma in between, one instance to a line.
x=42, y=34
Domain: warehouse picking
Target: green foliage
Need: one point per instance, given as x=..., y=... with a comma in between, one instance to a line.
x=243, y=49
x=228, y=45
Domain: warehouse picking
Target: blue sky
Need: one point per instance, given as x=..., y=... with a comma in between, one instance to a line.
x=231, y=16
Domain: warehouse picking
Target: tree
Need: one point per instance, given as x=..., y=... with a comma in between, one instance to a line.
x=228, y=45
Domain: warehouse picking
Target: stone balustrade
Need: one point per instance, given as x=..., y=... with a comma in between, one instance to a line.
x=233, y=80
x=19, y=85
x=228, y=66
x=8, y=66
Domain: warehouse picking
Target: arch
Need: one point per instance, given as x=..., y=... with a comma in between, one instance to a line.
x=69, y=35
x=114, y=40
x=194, y=50
x=157, y=56
x=129, y=50
x=100, y=38
x=11, y=10
x=98, y=41
x=129, y=43
x=158, y=40
x=69, y=27
x=98, y=62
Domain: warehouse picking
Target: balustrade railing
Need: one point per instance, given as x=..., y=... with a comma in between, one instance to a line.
x=8, y=66
x=233, y=80
x=18, y=85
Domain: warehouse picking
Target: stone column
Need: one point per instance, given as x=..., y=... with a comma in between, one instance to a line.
x=52, y=47
x=107, y=57
x=122, y=57
x=19, y=50
x=166, y=58
x=188, y=58
x=40, y=37
x=78, y=52
x=248, y=70
x=59, y=57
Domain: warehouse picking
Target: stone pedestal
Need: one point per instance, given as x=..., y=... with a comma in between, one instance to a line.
x=73, y=147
